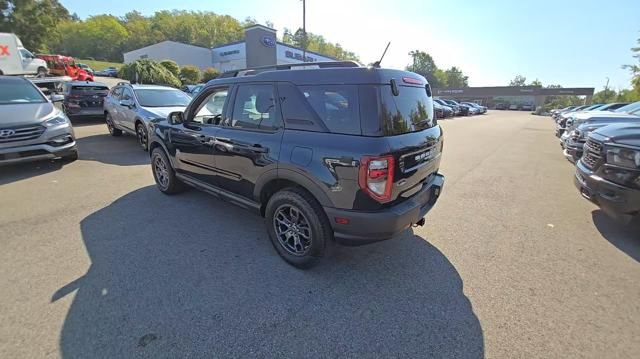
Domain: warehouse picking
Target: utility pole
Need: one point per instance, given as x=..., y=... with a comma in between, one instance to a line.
x=606, y=91
x=304, y=31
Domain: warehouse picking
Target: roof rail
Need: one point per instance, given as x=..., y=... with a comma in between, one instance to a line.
x=256, y=70
x=123, y=83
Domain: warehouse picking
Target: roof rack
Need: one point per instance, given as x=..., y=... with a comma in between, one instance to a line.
x=256, y=70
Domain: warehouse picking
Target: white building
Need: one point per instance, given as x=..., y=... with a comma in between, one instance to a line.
x=182, y=54
x=259, y=48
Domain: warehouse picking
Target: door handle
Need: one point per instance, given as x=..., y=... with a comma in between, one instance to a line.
x=258, y=148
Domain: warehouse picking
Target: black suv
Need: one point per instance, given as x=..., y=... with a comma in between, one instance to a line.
x=608, y=174
x=336, y=151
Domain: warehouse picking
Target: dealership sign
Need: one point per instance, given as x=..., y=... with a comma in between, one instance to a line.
x=298, y=56
x=268, y=41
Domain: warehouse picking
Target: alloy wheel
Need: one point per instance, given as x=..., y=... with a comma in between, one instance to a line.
x=109, y=124
x=292, y=229
x=161, y=171
x=142, y=136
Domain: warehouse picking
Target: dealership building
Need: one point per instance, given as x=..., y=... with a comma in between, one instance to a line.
x=259, y=48
x=511, y=95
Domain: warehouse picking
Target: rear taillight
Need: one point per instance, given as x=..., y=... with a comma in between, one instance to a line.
x=376, y=177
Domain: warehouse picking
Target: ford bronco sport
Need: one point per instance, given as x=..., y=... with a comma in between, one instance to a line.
x=336, y=151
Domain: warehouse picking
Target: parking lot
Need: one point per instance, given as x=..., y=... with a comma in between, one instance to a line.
x=512, y=262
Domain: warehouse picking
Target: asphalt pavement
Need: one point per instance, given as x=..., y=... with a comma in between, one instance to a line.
x=512, y=263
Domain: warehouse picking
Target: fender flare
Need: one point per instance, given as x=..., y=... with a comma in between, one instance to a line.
x=294, y=176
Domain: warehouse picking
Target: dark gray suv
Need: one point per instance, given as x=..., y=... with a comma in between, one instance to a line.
x=335, y=152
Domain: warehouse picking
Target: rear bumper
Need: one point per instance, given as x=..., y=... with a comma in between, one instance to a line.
x=84, y=111
x=35, y=153
x=369, y=227
x=617, y=201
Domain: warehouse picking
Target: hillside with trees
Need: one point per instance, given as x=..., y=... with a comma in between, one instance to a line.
x=424, y=65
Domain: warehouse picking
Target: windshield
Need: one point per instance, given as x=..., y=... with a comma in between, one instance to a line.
x=162, y=98
x=410, y=111
x=632, y=107
x=17, y=92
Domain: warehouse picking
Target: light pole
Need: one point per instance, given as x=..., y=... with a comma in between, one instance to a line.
x=606, y=91
x=304, y=31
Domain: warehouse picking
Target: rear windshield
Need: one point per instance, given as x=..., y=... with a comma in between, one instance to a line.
x=89, y=88
x=410, y=111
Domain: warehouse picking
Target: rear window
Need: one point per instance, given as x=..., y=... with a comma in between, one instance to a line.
x=410, y=111
x=336, y=106
x=89, y=88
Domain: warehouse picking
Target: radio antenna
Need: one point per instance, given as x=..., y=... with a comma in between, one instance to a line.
x=377, y=63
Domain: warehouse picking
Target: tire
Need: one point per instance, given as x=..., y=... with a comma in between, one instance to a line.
x=42, y=72
x=112, y=127
x=288, y=234
x=142, y=135
x=163, y=173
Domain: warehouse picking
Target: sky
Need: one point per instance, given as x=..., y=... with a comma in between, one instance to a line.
x=567, y=42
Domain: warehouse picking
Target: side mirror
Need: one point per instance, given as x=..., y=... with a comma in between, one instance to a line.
x=176, y=118
x=56, y=98
x=126, y=103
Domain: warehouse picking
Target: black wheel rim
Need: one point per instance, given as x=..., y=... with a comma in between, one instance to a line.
x=142, y=136
x=109, y=124
x=292, y=229
x=161, y=171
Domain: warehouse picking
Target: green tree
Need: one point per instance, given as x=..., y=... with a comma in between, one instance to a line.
x=100, y=37
x=635, y=68
x=604, y=96
x=627, y=95
x=34, y=21
x=209, y=74
x=455, y=78
x=519, y=80
x=536, y=83
x=317, y=43
x=148, y=72
x=190, y=75
x=424, y=65
x=172, y=66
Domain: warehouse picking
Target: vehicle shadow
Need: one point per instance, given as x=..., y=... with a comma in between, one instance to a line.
x=20, y=171
x=192, y=276
x=87, y=121
x=625, y=237
x=121, y=151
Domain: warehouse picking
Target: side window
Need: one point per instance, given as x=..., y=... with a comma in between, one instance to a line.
x=210, y=110
x=336, y=105
x=26, y=54
x=254, y=108
x=116, y=92
x=127, y=94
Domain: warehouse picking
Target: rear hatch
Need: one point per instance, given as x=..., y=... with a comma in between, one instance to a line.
x=87, y=96
x=405, y=120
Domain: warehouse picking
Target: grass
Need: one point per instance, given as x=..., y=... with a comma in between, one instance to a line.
x=99, y=65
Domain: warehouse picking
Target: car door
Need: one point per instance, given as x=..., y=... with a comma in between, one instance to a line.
x=28, y=65
x=112, y=104
x=248, y=141
x=193, y=140
x=127, y=110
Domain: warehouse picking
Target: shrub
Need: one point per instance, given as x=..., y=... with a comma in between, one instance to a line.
x=209, y=74
x=172, y=66
x=147, y=72
x=190, y=75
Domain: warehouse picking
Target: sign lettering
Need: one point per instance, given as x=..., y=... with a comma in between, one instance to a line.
x=298, y=56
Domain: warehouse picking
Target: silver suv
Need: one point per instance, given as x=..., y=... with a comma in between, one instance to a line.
x=130, y=108
x=31, y=127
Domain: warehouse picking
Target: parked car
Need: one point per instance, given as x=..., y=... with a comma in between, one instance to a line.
x=341, y=152
x=192, y=90
x=557, y=111
x=16, y=60
x=31, y=127
x=573, y=144
x=527, y=107
x=613, y=106
x=501, y=106
x=608, y=174
x=564, y=117
x=84, y=98
x=481, y=109
x=463, y=110
x=130, y=108
x=454, y=107
x=86, y=68
x=513, y=107
x=438, y=110
x=108, y=72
